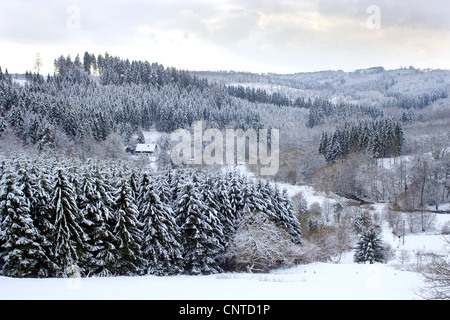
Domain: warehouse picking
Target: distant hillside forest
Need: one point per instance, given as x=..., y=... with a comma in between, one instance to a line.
x=106, y=100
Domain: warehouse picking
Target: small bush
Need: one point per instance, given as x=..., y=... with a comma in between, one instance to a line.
x=446, y=228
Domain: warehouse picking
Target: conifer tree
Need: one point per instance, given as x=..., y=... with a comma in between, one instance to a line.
x=96, y=208
x=44, y=222
x=234, y=191
x=128, y=231
x=69, y=236
x=200, y=231
x=160, y=246
x=370, y=248
x=286, y=217
x=21, y=251
x=225, y=212
x=334, y=149
x=399, y=139
x=323, y=143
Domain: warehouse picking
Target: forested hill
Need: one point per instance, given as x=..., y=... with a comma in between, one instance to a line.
x=389, y=83
x=91, y=99
x=124, y=98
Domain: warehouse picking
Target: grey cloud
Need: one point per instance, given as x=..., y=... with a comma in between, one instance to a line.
x=115, y=22
x=106, y=22
x=431, y=14
x=252, y=30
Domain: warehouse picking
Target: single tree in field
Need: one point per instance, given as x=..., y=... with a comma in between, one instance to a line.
x=370, y=248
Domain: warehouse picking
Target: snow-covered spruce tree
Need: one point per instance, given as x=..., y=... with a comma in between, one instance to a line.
x=276, y=204
x=267, y=202
x=200, y=231
x=323, y=147
x=225, y=212
x=69, y=237
x=128, y=231
x=96, y=208
x=134, y=185
x=21, y=252
x=333, y=150
x=254, y=200
x=370, y=248
x=27, y=181
x=234, y=190
x=286, y=217
x=44, y=221
x=160, y=246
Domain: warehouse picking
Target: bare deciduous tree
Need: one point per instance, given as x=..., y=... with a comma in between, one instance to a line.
x=437, y=277
x=259, y=245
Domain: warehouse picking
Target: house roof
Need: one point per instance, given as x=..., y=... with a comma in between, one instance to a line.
x=148, y=147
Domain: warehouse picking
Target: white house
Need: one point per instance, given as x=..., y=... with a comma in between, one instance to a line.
x=147, y=148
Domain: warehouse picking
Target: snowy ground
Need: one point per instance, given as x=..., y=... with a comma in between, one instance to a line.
x=314, y=281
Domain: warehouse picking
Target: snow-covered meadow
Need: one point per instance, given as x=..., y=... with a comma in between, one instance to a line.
x=345, y=280
x=313, y=281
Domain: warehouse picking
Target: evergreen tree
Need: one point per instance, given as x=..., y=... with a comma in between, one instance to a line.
x=69, y=236
x=399, y=139
x=286, y=217
x=254, y=200
x=266, y=201
x=128, y=231
x=21, y=251
x=27, y=181
x=334, y=150
x=200, y=231
x=160, y=246
x=87, y=62
x=323, y=143
x=95, y=205
x=370, y=248
x=225, y=212
x=234, y=189
x=43, y=221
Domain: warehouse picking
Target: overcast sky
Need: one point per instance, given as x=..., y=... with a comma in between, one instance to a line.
x=282, y=36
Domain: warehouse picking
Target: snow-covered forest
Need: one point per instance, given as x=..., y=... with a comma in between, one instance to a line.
x=108, y=219
x=75, y=199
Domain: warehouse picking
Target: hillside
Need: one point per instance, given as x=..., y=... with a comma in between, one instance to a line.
x=359, y=198
x=374, y=84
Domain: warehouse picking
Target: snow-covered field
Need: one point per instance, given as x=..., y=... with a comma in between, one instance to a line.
x=325, y=281
x=314, y=281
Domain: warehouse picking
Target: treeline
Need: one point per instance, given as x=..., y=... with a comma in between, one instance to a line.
x=258, y=95
x=116, y=71
x=378, y=139
x=107, y=219
x=416, y=102
x=322, y=111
